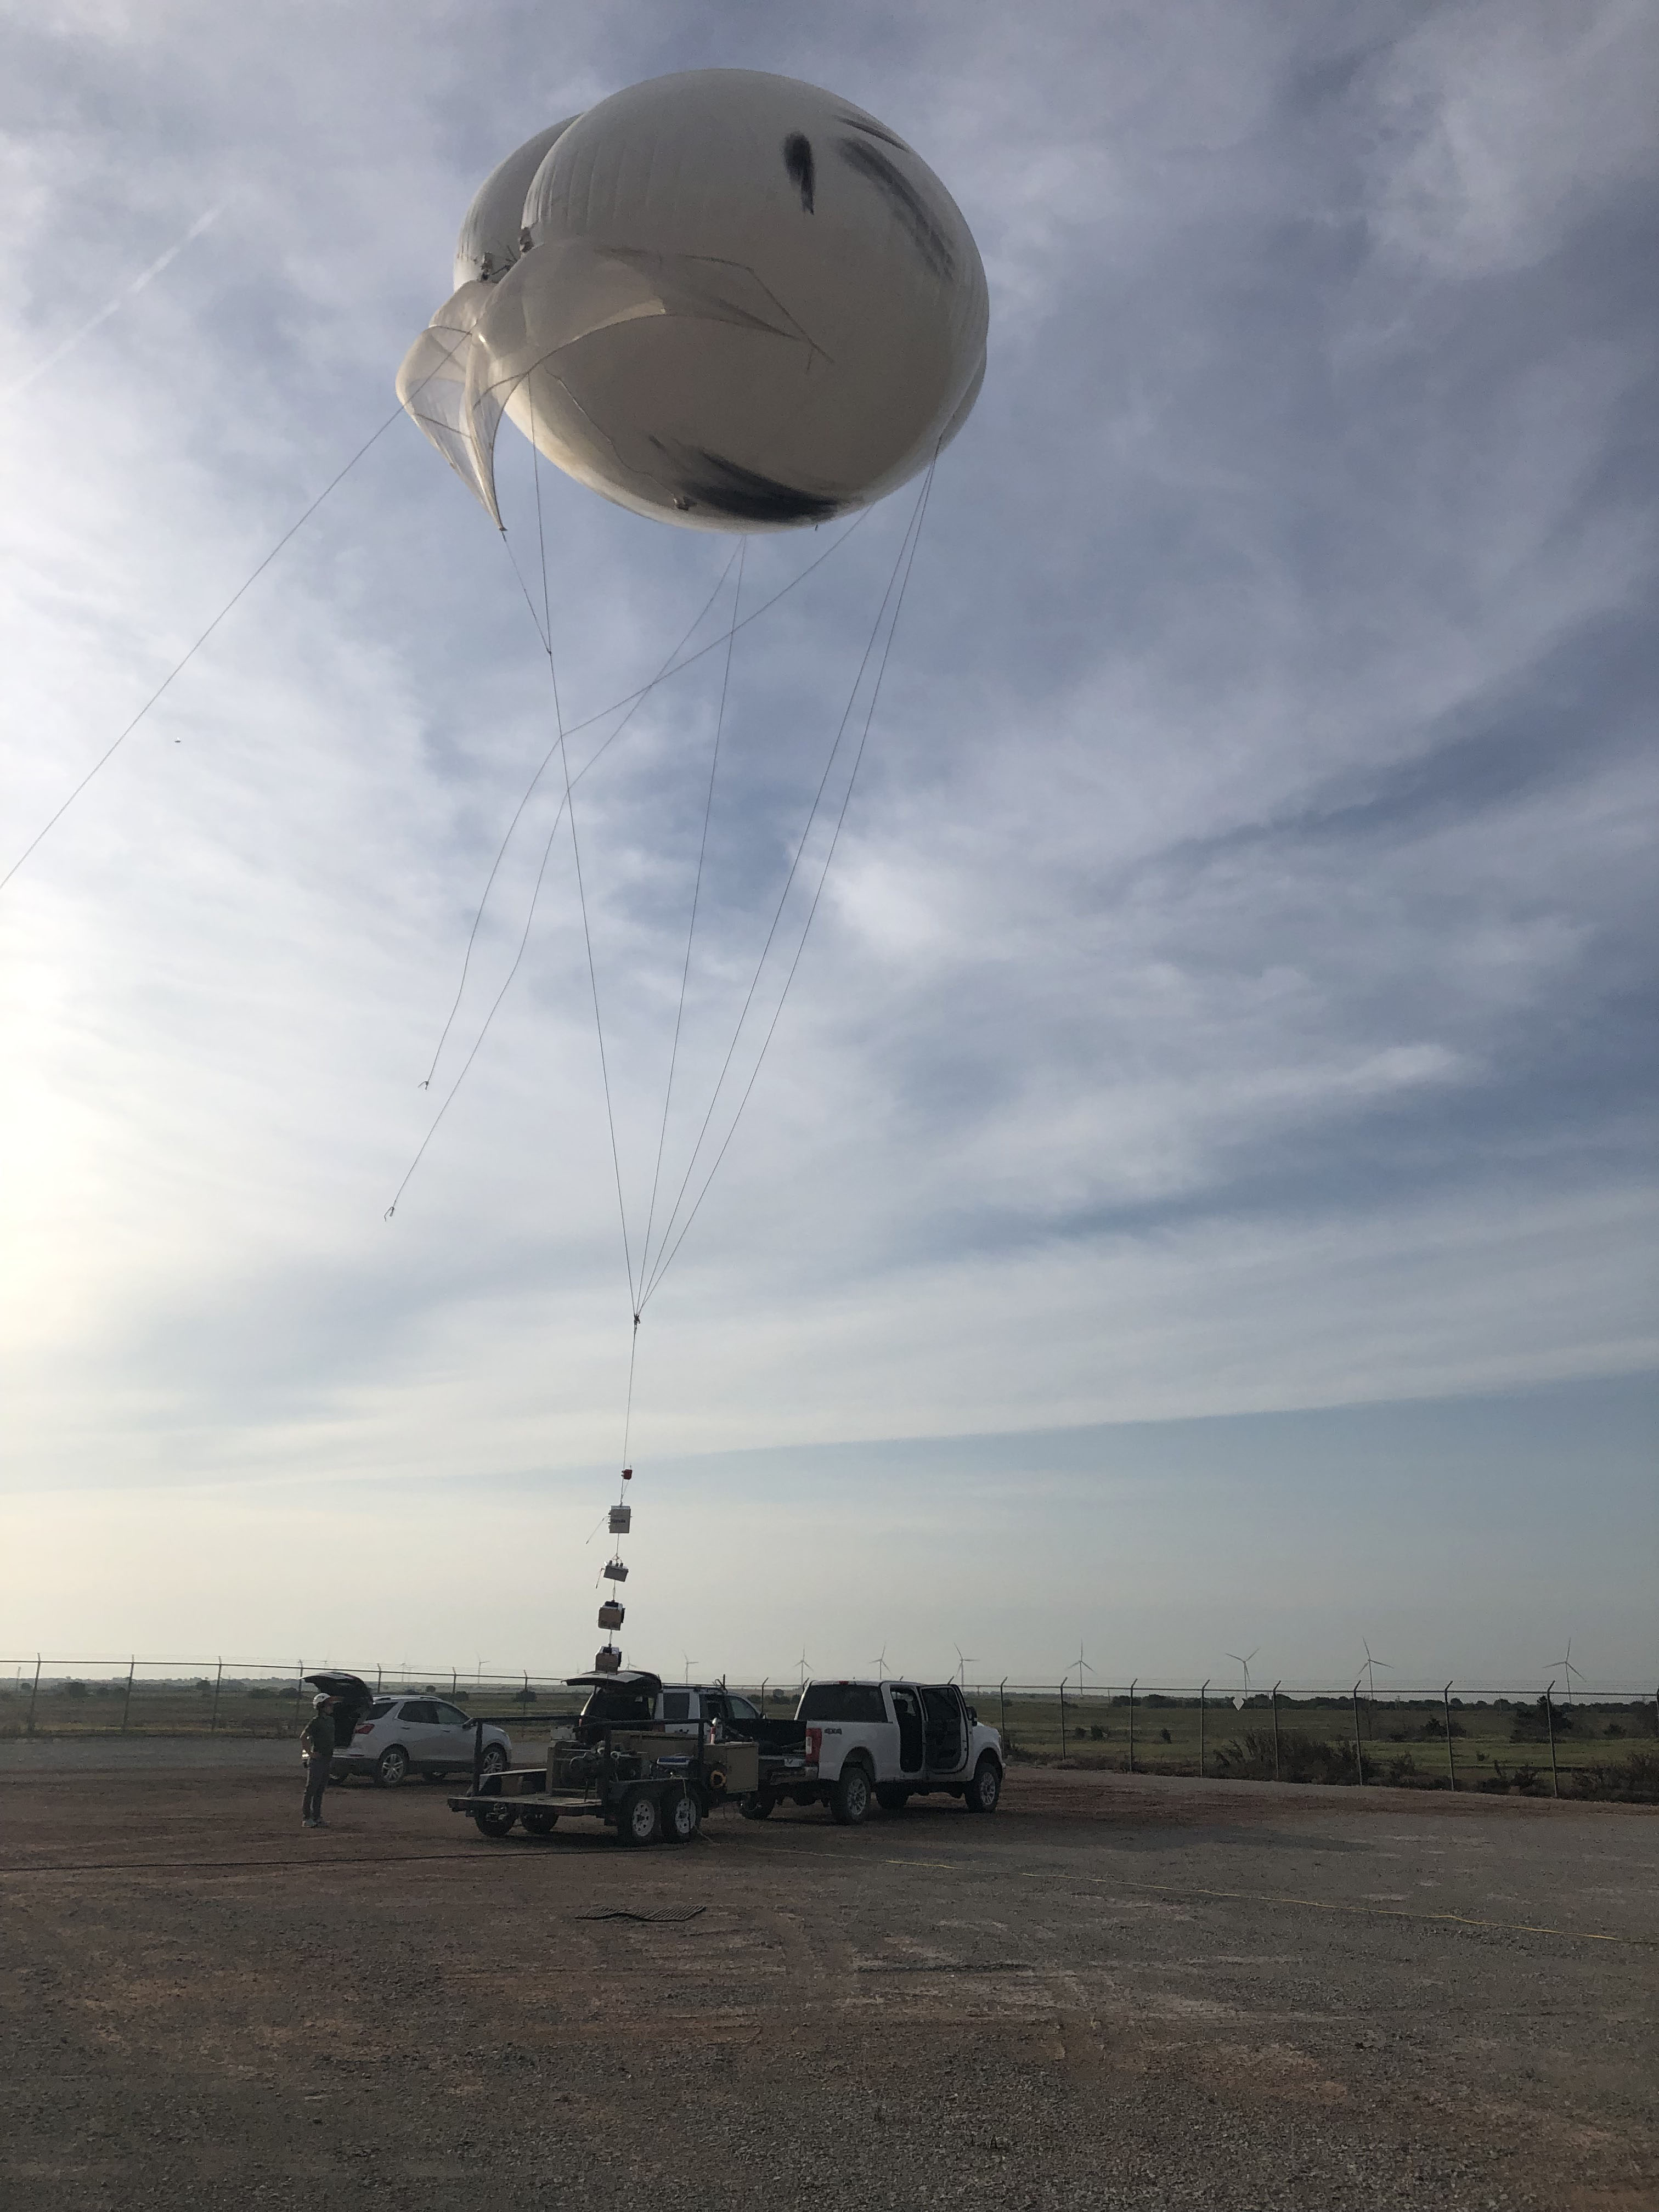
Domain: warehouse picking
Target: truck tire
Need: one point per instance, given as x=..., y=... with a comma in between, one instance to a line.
x=891, y=1797
x=756, y=1808
x=639, y=1820
x=682, y=1817
x=850, y=1802
x=983, y=1792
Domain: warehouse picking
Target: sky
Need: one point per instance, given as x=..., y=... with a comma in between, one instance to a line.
x=1201, y=1186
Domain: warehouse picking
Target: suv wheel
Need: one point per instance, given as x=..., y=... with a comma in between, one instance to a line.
x=850, y=1801
x=639, y=1821
x=392, y=1767
x=983, y=1791
x=494, y=1760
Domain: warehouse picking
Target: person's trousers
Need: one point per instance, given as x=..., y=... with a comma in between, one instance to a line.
x=316, y=1783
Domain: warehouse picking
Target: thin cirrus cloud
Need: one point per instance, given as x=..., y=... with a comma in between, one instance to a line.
x=1232, y=995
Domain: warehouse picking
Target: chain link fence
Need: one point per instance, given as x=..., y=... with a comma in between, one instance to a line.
x=1534, y=1740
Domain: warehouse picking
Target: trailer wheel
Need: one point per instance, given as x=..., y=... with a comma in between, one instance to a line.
x=392, y=1767
x=540, y=1822
x=891, y=1797
x=983, y=1792
x=495, y=1820
x=850, y=1802
x=683, y=1817
x=638, y=1822
x=756, y=1808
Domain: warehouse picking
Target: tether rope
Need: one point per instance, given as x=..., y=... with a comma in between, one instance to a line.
x=179, y=667
x=638, y=700
x=581, y=888
x=691, y=929
x=906, y=556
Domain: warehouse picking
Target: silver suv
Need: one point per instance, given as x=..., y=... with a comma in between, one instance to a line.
x=400, y=1736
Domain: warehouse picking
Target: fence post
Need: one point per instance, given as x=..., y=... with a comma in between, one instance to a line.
x=1062, y=1720
x=127, y=1705
x=1202, y=1694
x=453, y=1673
x=1549, y=1718
x=34, y=1692
x=377, y=1681
x=1132, y=1724
x=1359, y=1748
x=1275, y=1731
x=219, y=1676
x=1451, y=1762
x=299, y=1691
x=1002, y=1706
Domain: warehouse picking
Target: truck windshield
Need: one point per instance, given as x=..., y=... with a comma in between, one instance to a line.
x=842, y=1701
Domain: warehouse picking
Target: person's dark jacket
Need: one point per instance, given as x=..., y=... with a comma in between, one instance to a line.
x=317, y=1736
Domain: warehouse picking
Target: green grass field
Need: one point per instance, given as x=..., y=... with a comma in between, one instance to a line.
x=1603, y=1747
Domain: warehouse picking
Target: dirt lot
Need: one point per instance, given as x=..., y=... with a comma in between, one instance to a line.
x=1122, y=1993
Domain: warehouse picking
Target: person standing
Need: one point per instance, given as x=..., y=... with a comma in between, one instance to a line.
x=317, y=1749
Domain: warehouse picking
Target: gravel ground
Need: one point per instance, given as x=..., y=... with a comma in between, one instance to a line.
x=1116, y=1993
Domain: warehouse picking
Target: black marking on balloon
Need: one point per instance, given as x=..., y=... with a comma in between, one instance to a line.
x=803, y=170
x=710, y=481
x=905, y=201
x=874, y=131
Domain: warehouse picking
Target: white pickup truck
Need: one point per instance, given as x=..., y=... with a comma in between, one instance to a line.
x=890, y=1742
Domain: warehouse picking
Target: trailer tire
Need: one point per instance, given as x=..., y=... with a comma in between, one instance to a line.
x=757, y=1808
x=682, y=1817
x=540, y=1821
x=494, y=1821
x=392, y=1767
x=983, y=1791
x=639, y=1820
x=891, y=1797
x=850, y=1802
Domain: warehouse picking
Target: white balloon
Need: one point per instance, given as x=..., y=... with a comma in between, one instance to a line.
x=734, y=302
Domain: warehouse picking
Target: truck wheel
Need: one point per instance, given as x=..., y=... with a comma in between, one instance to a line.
x=541, y=1822
x=983, y=1791
x=850, y=1802
x=756, y=1808
x=495, y=1820
x=392, y=1767
x=891, y=1797
x=682, y=1818
x=639, y=1821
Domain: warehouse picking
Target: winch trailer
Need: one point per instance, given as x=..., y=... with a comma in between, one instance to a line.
x=617, y=1765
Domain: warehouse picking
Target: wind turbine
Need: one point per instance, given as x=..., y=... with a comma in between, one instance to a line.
x=1371, y=1665
x=802, y=1667
x=687, y=1657
x=1567, y=1668
x=962, y=1667
x=1244, y=1659
x=1081, y=1665
x=881, y=1664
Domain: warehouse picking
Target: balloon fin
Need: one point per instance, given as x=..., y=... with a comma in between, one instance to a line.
x=434, y=384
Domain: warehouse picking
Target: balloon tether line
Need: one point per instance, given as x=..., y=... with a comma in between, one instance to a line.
x=905, y=558
x=691, y=927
